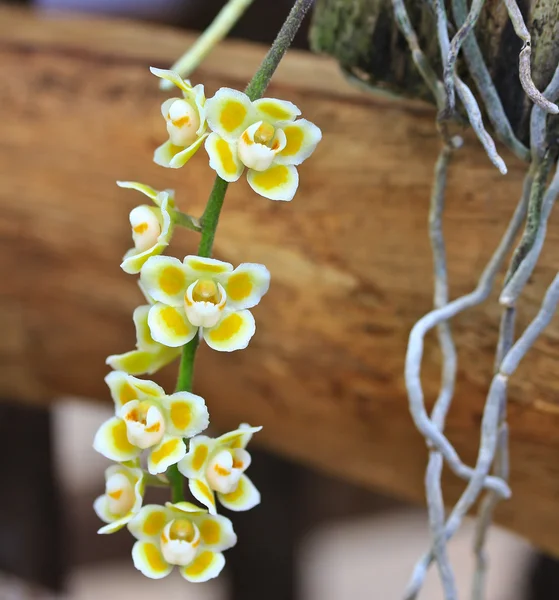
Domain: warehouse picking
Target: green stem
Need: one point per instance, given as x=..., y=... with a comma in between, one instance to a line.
x=184, y=384
x=210, y=218
x=254, y=90
x=258, y=84
x=177, y=484
x=153, y=481
x=227, y=17
x=184, y=220
x=186, y=368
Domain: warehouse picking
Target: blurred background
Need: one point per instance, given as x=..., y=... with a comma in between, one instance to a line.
x=324, y=539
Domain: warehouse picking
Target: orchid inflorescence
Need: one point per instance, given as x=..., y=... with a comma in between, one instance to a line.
x=154, y=437
x=264, y=136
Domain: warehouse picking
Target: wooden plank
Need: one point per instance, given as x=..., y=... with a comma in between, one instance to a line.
x=349, y=256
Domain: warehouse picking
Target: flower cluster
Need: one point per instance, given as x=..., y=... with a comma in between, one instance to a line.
x=203, y=294
x=150, y=424
x=154, y=437
x=265, y=136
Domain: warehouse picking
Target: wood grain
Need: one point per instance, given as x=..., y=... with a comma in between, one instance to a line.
x=349, y=256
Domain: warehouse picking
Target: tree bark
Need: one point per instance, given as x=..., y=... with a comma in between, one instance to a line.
x=363, y=37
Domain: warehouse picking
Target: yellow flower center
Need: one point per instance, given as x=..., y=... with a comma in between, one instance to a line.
x=183, y=121
x=264, y=133
x=183, y=530
x=120, y=494
x=139, y=413
x=206, y=290
x=146, y=227
x=141, y=228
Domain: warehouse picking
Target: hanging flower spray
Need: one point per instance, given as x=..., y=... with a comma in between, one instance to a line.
x=154, y=437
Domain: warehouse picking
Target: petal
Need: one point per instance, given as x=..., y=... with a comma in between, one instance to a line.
x=101, y=505
x=202, y=492
x=135, y=362
x=216, y=532
x=205, y=566
x=145, y=294
x=245, y=497
x=115, y=525
x=174, y=157
x=164, y=357
x=155, y=196
x=136, y=477
x=149, y=561
x=140, y=187
x=302, y=138
x=168, y=452
x=165, y=279
x=144, y=341
x=186, y=414
x=101, y=508
x=233, y=332
x=194, y=463
x=121, y=388
x=238, y=438
x=246, y=285
x=133, y=473
x=139, y=489
x=169, y=325
x=148, y=524
x=133, y=261
x=173, y=77
x=255, y=154
x=125, y=388
x=272, y=110
x=112, y=442
x=139, y=362
x=279, y=182
x=185, y=507
x=224, y=158
x=198, y=267
x=198, y=97
x=150, y=356
x=164, y=155
x=166, y=199
x=166, y=106
x=167, y=227
x=229, y=113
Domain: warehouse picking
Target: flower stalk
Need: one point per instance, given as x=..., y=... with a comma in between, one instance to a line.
x=177, y=484
x=186, y=221
x=226, y=19
x=210, y=219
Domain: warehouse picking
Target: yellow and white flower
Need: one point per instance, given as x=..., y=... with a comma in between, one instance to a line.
x=185, y=119
x=149, y=356
x=124, y=492
x=147, y=419
x=218, y=466
x=263, y=136
x=203, y=293
x=181, y=535
x=152, y=226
